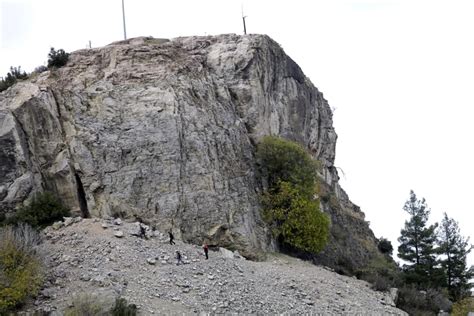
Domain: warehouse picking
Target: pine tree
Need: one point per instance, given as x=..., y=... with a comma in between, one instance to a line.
x=454, y=248
x=417, y=245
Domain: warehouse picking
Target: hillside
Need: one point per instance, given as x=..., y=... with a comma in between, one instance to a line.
x=86, y=257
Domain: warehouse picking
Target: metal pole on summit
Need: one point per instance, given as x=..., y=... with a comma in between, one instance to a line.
x=123, y=15
x=243, y=19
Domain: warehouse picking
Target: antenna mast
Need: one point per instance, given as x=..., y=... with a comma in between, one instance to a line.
x=243, y=19
x=124, y=28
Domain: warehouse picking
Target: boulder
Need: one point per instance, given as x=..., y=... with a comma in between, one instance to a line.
x=226, y=253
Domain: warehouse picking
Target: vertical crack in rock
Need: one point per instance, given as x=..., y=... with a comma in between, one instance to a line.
x=182, y=156
x=81, y=196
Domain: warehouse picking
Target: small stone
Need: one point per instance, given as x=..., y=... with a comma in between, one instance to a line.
x=308, y=302
x=175, y=298
x=118, y=234
x=151, y=261
x=68, y=221
x=84, y=277
x=117, y=221
x=105, y=226
x=57, y=225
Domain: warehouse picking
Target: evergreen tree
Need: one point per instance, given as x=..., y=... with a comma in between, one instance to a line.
x=454, y=248
x=417, y=241
x=57, y=58
x=11, y=78
x=385, y=246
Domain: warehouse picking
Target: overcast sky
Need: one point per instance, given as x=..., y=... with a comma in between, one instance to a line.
x=399, y=76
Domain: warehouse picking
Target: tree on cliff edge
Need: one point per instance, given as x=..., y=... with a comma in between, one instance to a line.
x=417, y=245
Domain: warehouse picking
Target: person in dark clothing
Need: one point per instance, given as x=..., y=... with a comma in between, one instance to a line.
x=171, y=238
x=179, y=258
x=142, y=231
x=206, y=250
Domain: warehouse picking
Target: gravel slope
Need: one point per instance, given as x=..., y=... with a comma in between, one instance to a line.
x=87, y=257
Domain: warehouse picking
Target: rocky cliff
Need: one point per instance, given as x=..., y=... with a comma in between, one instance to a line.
x=166, y=131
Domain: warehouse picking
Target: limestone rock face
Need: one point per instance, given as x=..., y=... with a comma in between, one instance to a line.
x=165, y=131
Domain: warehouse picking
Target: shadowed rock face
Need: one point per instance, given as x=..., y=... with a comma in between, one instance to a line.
x=163, y=130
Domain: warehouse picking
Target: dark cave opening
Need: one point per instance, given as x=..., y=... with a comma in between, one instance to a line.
x=81, y=195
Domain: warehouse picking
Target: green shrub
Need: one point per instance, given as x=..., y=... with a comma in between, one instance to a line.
x=122, y=308
x=382, y=273
x=438, y=300
x=12, y=77
x=20, y=268
x=43, y=210
x=385, y=246
x=88, y=304
x=463, y=307
x=294, y=218
x=288, y=204
x=57, y=58
x=412, y=301
x=416, y=302
x=283, y=160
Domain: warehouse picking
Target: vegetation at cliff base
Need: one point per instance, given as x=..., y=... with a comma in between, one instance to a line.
x=288, y=204
x=43, y=210
x=454, y=249
x=436, y=272
x=417, y=241
x=463, y=307
x=88, y=304
x=295, y=218
x=20, y=268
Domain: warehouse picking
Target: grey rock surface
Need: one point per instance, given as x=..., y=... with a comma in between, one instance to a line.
x=165, y=131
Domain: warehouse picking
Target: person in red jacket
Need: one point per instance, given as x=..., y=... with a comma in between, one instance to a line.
x=206, y=250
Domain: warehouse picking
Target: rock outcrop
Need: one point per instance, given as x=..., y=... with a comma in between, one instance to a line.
x=166, y=131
